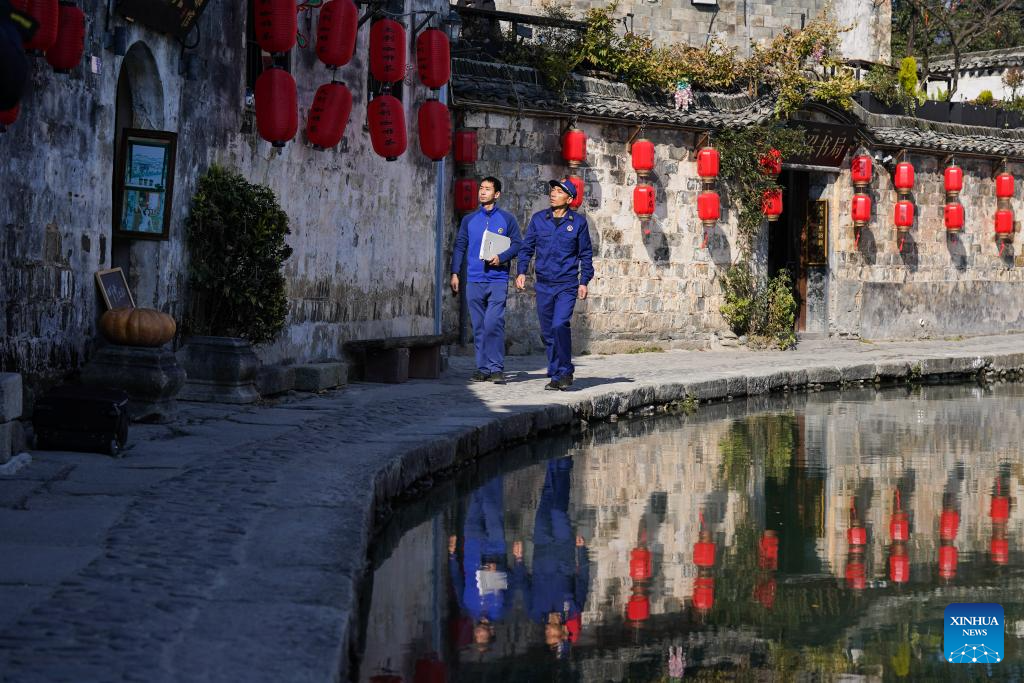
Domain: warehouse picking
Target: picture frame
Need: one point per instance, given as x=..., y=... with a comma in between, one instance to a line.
x=114, y=289
x=144, y=175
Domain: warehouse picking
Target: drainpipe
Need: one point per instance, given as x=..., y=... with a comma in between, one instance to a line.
x=439, y=229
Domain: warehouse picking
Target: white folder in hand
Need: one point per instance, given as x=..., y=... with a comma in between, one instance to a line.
x=493, y=244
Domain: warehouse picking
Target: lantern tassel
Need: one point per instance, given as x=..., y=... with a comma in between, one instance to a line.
x=704, y=244
x=856, y=240
x=899, y=502
x=902, y=240
x=1002, y=245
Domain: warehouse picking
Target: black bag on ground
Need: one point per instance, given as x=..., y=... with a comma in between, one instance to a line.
x=82, y=418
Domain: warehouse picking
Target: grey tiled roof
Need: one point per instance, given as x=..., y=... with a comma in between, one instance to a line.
x=987, y=59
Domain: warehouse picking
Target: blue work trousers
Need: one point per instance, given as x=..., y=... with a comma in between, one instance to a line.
x=555, y=304
x=487, y=311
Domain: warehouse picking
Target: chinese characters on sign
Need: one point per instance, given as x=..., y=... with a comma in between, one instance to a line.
x=817, y=233
x=829, y=143
x=146, y=182
x=175, y=17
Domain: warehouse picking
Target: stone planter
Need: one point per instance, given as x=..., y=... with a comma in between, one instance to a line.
x=220, y=370
x=152, y=378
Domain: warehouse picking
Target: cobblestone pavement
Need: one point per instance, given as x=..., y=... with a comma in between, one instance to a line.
x=227, y=546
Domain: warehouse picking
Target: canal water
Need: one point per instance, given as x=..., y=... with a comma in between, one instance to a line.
x=804, y=537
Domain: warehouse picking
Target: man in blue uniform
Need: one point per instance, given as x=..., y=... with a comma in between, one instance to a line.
x=488, y=280
x=565, y=265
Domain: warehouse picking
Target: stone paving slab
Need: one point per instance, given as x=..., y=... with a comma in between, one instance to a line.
x=229, y=544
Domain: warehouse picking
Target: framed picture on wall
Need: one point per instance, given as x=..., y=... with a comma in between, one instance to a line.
x=144, y=177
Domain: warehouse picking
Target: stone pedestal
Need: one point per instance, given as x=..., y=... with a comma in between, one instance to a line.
x=220, y=370
x=152, y=378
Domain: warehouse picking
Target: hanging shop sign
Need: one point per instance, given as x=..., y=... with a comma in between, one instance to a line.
x=174, y=17
x=145, y=184
x=829, y=144
x=817, y=232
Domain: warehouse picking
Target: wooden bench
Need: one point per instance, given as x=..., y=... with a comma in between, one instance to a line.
x=396, y=359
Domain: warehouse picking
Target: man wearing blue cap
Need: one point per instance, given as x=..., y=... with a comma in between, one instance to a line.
x=488, y=280
x=560, y=237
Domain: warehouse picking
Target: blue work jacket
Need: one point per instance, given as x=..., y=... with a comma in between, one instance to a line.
x=564, y=252
x=471, y=233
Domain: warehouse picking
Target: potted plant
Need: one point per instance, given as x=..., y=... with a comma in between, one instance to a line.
x=236, y=242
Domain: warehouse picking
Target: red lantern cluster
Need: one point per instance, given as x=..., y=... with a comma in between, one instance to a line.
x=47, y=16
x=644, y=195
x=433, y=58
x=709, y=208
x=644, y=201
x=953, y=213
x=642, y=156
x=387, y=126
x=768, y=551
x=328, y=116
x=277, y=114
x=860, y=209
x=857, y=539
x=709, y=205
x=903, y=212
x=771, y=204
x=999, y=512
x=708, y=162
x=336, y=32
x=704, y=551
x=466, y=152
x=67, y=49
x=574, y=147
x=276, y=25
x=387, y=51
x=903, y=215
x=899, y=563
x=435, y=127
x=1004, y=211
x=466, y=148
x=861, y=171
x=771, y=162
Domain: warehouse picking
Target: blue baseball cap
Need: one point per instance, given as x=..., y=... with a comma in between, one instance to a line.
x=566, y=186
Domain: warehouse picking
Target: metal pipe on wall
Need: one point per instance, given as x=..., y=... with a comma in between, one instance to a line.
x=439, y=191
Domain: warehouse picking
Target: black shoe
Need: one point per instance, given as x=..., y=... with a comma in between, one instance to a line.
x=553, y=385
x=479, y=376
x=496, y=378
x=565, y=382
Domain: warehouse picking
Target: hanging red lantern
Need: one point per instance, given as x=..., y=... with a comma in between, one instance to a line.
x=948, y=556
x=768, y=551
x=67, y=49
x=580, y=187
x=435, y=125
x=387, y=51
x=433, y=58
x=953, y=215
x=708, y=162
x=640, y=564
x=465, y=147
x=1000, y=551
x=949, y=524
x=1004, y=224
x=704, y=593
x=999, y=510
x=704, y=553
x=1004, y=185
x=856, y=536
x=771, y=204
x=899, y=565
x=771, y=162
x=764, y=591
x=642, y=155
x=276, y=25
x=47, y=15
x=574, y=147
x=277, y=106
x=644, y=201
x=709, y=208
x=856, y=577
x=903, y=178
x=903, y=215
x=860, y=209
x=466, y=194
x=9, y=116
x=638, y=608
x=861, y=170
x=336, y=30
x=328, y=116
x=953, y=180
x=899, y=527
x=387, y=126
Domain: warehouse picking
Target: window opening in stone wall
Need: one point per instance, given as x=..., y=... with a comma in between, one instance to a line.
x=391, y=9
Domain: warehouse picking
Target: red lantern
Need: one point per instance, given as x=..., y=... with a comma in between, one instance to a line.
x=704, y=554
x=67, y=50
x=704, y=593
x=465, y=147
x=899, y=527
x=771, y=162
x=638, y=608
x=953, y=180
x=580, y=186
x=644, y=201
x=768, y=551
x=466, y=194
x=903, y=178
x=642, y=153
x=47, y=14
x=771, y=204
x=276, y=25
x=856, y=577
x=764, y=592
x=328, y=116
x=903, y=214
x=640, y=564
x=708, y=163
x=860, y=209
x=574, y=146
x=709, y=208
x=857, y=535
x=1004, y=185
x=949, y=524
x=899, y=565
x=953, y=215
x=1004, y=224
x=9, y=116
x=433, y=58
x=861, y=170
x=277, y=106
x=435, y=130
x=387, y=51
x=336, y=31
x=948, y=556
x=999, y=510
x=387, y=126
x=1000, y=550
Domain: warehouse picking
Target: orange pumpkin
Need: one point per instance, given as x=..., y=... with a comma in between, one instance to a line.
x=137, y=327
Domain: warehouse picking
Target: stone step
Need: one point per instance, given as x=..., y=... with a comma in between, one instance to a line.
x=321, y=376
x=272, y=380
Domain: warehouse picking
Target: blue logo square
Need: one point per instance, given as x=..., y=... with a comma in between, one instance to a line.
x=973, y=633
